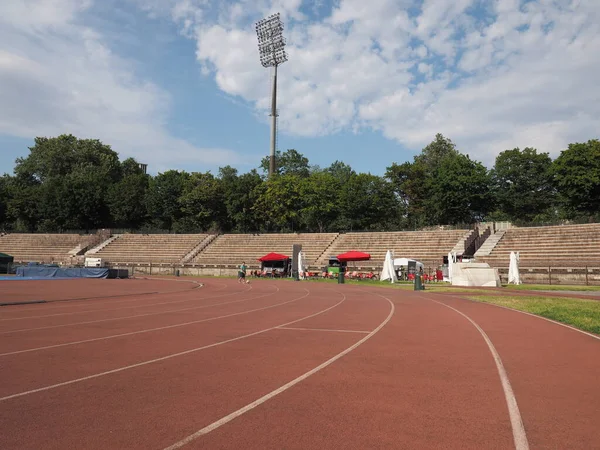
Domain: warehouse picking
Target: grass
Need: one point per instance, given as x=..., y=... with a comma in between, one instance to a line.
x=553, y=287
x=579, y=313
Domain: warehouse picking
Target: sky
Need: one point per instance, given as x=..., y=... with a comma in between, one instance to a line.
x=177, y=84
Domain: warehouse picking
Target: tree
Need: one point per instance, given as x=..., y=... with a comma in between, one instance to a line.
x=279, y=202
x=319, y=193
x=162, y=198
x=340, y=171
x=239, y=197
x=367, y=202
x=434, y=153
x=5, y=199
x=62, y=183
x=461, y=191
x=291, y=162
x=411, y=184
x=127, y=198
x=577, y=175
x=57, y=157
x=202, y=203
x=522, y=182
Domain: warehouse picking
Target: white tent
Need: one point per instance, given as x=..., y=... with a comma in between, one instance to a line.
x=474, y=274
x=388, y=272
x=513, y=269
x=403, y=262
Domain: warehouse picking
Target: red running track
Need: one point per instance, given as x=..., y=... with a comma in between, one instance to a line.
x=278, y=364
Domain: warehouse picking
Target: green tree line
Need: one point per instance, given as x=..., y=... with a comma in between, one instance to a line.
x=66, y=183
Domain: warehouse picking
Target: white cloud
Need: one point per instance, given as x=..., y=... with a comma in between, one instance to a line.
x=489, y=74
x=522, y=74
x=58, y=76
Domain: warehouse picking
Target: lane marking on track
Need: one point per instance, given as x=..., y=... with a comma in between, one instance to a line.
x=321, y=329
x=141, y=315
x=124, y=307
x=219, y=423
x=50, y=304
x=518, y=429
x=174, y=355
x=166, y=327
x=532, y=315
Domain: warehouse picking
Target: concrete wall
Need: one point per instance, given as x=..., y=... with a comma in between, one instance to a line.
x=165, y=269
x=579, y=276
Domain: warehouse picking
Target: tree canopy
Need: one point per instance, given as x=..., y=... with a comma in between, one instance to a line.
x=66, y=183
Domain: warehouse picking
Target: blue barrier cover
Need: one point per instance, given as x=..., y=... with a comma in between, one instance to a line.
x=57, y=272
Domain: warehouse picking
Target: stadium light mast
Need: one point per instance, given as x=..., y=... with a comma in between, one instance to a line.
x=271, y=48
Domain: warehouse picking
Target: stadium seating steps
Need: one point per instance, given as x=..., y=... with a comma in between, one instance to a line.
x=43, y=248
x=556, y=246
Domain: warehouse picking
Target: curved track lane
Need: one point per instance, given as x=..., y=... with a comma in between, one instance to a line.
x=279, y=364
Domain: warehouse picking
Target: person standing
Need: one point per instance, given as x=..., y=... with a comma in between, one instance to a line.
x=242, y=273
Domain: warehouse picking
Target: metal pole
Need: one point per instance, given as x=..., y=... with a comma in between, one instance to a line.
x=273, y=122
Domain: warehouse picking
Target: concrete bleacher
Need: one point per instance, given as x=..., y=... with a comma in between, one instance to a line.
x=557, y=246
x=232, y=249
x=149, y=248
x=428, y=247
x=42, y=248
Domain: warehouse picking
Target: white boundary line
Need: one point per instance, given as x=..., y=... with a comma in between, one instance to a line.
x=122, y=308
x=113, y=336
x=516, y=422
x=141, y=315
x=174, y=355
x=531, y=314
x=285, y=387
x=320, y=329
x=49, y=305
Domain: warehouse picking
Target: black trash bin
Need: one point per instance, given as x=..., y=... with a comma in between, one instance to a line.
x=177, y=273
x=419, y=286
x=341, y=276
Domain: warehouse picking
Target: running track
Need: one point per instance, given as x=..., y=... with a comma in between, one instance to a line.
x=157, y=364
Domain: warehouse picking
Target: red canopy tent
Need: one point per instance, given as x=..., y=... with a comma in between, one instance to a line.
x=273, y=257
x=353, y=256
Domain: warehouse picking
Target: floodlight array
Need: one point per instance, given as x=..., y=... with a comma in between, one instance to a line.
x=271, y=43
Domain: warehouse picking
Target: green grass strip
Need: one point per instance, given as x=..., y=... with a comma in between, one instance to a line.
x=553, y=287
x=579, y=313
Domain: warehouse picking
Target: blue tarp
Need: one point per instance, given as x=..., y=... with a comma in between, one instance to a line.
x=56, y=272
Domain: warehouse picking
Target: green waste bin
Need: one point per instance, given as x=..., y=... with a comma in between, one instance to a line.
x=419, y=286
x=341, y=276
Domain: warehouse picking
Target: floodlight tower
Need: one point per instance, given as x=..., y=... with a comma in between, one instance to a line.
x=271, y=47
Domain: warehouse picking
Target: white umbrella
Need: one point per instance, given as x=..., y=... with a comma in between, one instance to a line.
x=388, y=272
x=450, y=262
x=513, y=269
x=301, y=265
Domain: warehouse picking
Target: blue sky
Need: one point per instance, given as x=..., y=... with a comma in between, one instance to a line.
x=178, y=84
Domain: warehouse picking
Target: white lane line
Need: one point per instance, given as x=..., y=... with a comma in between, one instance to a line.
x=113, y=336
x=50, y=305
x=518, y=430
x=219, y=423
x=139, y=315
x=321, y=329
x=119, y=309
x=532, y=315
x=174, y=355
